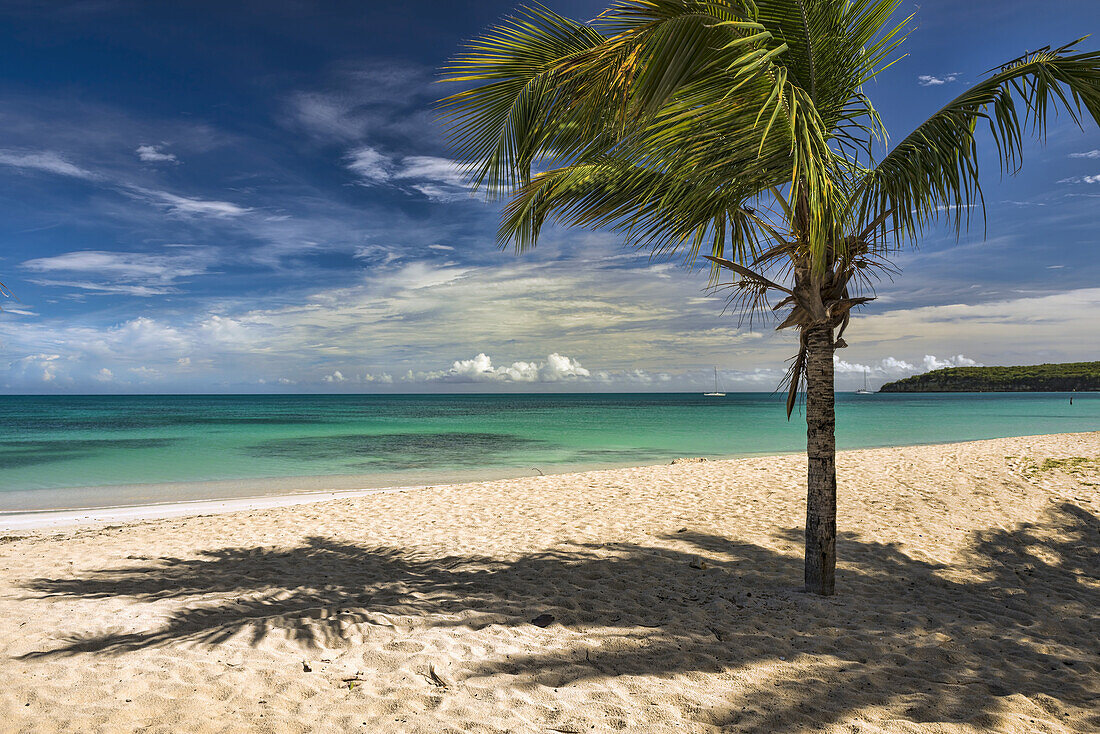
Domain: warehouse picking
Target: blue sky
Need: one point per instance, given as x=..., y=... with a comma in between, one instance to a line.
x=255, y=196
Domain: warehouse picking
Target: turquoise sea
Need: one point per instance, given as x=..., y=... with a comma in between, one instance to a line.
x=92, y=451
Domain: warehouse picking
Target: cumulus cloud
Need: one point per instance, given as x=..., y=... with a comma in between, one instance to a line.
x=36, y=367
x=556, y=368
x=893, y=368
x=338, y=377
x=927, y=80
x=46, y=161
x=153, y=154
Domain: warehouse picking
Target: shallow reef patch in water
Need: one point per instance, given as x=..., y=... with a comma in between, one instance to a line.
x=16, y=453
x=396, y=450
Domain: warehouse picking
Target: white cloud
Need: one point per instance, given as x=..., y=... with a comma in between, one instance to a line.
x=120, y=289
x=851, y=374
x=578, y=296
x=338, y=377
x=439, y=179
x=1059, y=327
x=130, y=265
x=893, y=367
x=375, y=97
x=932, y=363
x=127, y=273
x=327, y=115
x=1087, y=154
x=556, y=368
x=144, y=373
x=153, y=154
x=927, y=80
x=1081, y=179
x=37, y=367
x=370, y=165
x=375, y=254
x=104, y=375
x=441, y=193
x=432, y=168
x=47, y=161
x=441, y=247
x=184, y=205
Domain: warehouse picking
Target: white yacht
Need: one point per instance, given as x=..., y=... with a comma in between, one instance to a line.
x=864, y=390
x=716, y=393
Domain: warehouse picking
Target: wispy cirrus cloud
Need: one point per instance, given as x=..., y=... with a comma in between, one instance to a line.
x=124, y=273
x=186, y=205
x=46, y=161
x=370, y=165
x=1093, y=154
x=52, y=162
x=1080, y=180
x=372, y=98
x=439, y=179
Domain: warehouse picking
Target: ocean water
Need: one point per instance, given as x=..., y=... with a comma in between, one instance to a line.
x=60, y=452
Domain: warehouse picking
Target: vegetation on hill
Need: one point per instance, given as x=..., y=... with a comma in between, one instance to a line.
x=1025, y=378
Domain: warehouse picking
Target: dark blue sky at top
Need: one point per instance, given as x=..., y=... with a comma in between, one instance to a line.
x=251, y=115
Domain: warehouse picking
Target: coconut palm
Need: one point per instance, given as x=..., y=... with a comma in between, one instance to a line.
x=739, y=131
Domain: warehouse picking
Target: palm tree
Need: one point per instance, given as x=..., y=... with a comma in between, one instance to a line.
x=740, y=131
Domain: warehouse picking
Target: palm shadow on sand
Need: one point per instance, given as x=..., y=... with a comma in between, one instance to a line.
x=1023, y=622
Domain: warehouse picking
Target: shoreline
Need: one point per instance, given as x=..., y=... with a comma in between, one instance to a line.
x=17, y=520
x=35, y=520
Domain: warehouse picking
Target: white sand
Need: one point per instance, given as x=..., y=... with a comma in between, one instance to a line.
x=99, y=515
x=968, y=600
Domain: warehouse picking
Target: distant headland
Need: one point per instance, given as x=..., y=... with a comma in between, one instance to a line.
x=1080, y=376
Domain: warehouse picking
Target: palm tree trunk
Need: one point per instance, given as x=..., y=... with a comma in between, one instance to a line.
x=821, y=454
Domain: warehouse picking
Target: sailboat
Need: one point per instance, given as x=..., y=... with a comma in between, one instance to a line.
x=864, y=390
x=716, y=393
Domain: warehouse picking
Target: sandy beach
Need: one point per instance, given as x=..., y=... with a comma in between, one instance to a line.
x=654, y=599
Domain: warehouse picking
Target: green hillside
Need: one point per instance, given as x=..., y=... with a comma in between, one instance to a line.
x=1026, y=378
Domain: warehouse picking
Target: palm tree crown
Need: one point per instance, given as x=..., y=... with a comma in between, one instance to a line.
x=739, y=130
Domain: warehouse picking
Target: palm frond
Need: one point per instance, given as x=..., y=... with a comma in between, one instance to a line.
x=523, y=108
x=653, y=209
x=933, y=173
